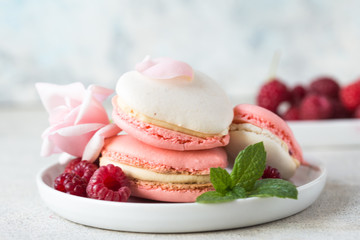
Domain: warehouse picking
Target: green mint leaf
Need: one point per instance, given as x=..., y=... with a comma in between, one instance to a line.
x=220, y=179
x=216, y=197
x=249, y=166
x=243, y=181
x=239, y=192
x=271, y=187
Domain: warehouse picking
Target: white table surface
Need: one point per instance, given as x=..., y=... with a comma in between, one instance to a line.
x=23, y=215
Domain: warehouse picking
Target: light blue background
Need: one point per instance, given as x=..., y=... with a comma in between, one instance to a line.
x=232, y=41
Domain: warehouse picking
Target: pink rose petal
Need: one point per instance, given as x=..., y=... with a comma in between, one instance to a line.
x=165, y=68
x=71, y=139
x=48, y=148
x=75, y=116
x=91, y=111
x=78, y=130
x=100, y=93
x=53, y=95
x=93, y=148
x=58, y=114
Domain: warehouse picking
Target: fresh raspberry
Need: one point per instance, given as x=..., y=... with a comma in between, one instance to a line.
x=325, y=86
x=292, y=114
x=96, y=162
x=315, y=107
x=357, y=112
x=271, y=172
x=70, y=166
x=350, y=95
x=271, y=94
x=297, y=94
x=339, y=110
x=85, y=169
x=109, y=183
x=71, y=183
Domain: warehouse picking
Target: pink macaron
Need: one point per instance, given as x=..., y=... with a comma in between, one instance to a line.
x=166, y=104
x=252, y=124
x=162, y=174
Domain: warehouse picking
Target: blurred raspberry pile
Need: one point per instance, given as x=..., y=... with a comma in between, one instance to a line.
x=323, y=98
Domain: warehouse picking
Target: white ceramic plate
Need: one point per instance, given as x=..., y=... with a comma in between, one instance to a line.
x=140, y=215
x=327, y=133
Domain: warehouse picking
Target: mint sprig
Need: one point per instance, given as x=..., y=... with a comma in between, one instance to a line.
x=243, y=181
x=271, y=187
x=249, y=166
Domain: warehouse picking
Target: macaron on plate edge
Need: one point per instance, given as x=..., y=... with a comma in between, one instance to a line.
x=141, y=215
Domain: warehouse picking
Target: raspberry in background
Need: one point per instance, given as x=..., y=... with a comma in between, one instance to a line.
x=272, y=94
x=315, y=107
x=350, y=95
x=109, y=183
x=297, y=94
x=71, y=183
x=292, y=114
x=326, y=86
x=339, y=110
x=357, y=112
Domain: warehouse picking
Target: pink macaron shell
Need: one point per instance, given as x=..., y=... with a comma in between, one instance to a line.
x=128, y=150
x=162, y=137
x=158, y=194
x=263, y=118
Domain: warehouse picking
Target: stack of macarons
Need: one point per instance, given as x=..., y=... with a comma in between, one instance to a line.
x=176, y=121
x=179, y=123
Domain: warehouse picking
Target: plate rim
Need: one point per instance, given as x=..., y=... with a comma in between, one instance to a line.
x=318, y=164
x=311, y=195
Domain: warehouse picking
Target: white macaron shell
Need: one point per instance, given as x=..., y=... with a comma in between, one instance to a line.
x=198, y=105
x=277, y=151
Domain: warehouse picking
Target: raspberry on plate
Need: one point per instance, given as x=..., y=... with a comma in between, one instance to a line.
x=85, y=169
x=71, y=183
x=70, y=166
x=315, y=107
x=271, y=94
x=271, y=172
x=109, y=183
x=350, y=95
x=325, y=86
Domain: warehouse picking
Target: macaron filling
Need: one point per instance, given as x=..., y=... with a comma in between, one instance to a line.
x=278, y=153
x=262, y=118
x=149, y=175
